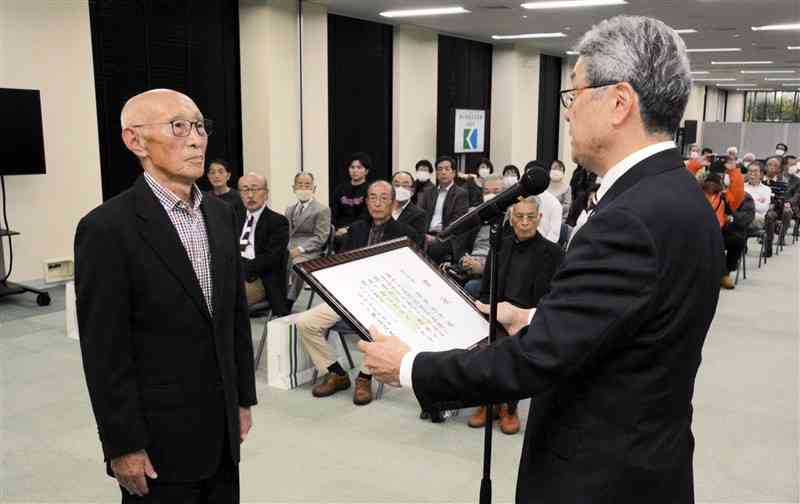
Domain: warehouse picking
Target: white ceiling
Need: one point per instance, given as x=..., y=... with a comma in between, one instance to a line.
x=719, y=23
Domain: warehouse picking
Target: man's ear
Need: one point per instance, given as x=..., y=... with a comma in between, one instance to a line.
x=134, y=142
x=625, y=102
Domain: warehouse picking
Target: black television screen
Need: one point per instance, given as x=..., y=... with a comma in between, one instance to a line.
x=21, y=137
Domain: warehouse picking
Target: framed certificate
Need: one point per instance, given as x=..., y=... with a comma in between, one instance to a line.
x=395, y=288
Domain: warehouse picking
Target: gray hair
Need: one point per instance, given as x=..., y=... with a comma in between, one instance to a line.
x=494, y=177
x=381, y=182
x=734, y=149
x=534, y=200
x=749, y=155
x=651, y=57
x=300, y=174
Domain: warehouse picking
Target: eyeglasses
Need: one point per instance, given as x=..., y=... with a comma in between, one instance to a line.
x=383, y=199
x=568, y=96
x=183, y=128
x=254, y=190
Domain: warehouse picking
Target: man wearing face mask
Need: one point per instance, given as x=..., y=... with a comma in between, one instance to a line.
x=404, y=211
x=309, y=229
x=747, y=159
x=781, y=149
x=422, y=181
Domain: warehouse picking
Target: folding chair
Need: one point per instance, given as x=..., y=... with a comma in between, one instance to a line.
x=326, y=252
x=261, y=308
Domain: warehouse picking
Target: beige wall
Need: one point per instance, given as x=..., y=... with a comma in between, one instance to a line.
x=315, y=95
x=268, y=32
x=515, y=104
x=46, y=45
x=735, y=107
x=414, y=96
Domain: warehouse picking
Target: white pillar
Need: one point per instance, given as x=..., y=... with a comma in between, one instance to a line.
x=515, y=105
x=414, y=96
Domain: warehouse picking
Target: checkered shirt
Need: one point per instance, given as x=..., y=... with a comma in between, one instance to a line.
x=191, y=227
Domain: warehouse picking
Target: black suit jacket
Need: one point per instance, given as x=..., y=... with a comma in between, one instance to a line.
x=456, y=204
x=163, y=374
x=414, y=218
x=611, y=355
x=272, y=256
x=358, y=234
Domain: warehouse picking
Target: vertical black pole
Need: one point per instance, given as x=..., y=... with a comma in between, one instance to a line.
x=494, y=250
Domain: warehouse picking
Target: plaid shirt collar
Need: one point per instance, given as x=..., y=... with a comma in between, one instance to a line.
x=169, y=200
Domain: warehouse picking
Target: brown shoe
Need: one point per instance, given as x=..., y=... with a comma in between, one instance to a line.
x=362, y=395
x=509, y=422
x=728, y=282
x=331, y=383
x=478, y=419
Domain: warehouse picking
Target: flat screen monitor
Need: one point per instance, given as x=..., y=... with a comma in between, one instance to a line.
x=21, y=136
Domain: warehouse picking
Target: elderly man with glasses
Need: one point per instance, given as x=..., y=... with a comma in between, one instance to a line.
x=610, y=354
x=263, y=245
x=165, y=337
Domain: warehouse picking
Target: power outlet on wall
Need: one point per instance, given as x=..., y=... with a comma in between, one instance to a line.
x=59, y=270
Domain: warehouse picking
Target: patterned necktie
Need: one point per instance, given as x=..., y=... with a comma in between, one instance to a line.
x=591, y=203
x=248, y=230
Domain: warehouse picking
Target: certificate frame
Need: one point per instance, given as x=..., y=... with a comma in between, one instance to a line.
x=307, y=269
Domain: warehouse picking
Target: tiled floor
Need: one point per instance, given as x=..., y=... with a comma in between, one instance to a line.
x=327, y=450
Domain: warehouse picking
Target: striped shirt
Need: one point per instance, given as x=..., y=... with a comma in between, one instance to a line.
x=191, y=227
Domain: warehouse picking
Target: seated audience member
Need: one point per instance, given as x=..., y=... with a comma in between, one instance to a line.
x=219, y=174
x=309, y=229
x=471, y=183
x=510, y=176
x=550, y=225
x=734, y=235
x=694, y=151
x=559, y=188
x=527, y=263
x=781, y=149
x=473, y=262
x=780, y=205
x=761, y=194
x=349, y=199
x=443, y=204
x=313, y=324
x=423, y=172
x=582, y=183
x=263, y=242
x=747, y=159
x=725, y=202
x=404, y=211
x=789, y=170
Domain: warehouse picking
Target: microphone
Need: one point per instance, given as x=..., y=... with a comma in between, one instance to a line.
x=533, y=181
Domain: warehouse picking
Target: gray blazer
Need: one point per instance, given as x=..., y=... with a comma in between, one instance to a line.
x=310, y=229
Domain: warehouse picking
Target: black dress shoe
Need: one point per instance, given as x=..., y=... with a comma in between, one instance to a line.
x=437, y=417
x=424, y=415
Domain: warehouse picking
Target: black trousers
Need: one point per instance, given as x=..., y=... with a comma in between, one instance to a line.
x=734, y=247
x=221, y=488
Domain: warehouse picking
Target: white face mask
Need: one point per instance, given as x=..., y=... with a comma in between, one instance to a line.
x=484, y=172
x=423, y=176
x=304, y=195
x=747, y=164
x=792, y=169
x=509, y=180
x=488, y=196
x=402, y=194
x=780, y=152
x=694, y=154
x=556, y=175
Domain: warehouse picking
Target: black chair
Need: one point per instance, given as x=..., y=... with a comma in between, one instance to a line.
x=326, y=252
x=262, y=308
x=796, y=230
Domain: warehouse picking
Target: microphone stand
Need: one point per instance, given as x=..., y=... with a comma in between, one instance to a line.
x=495, y=240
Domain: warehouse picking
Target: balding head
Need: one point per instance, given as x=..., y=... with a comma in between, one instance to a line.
x=254, y=191
x=147, y=129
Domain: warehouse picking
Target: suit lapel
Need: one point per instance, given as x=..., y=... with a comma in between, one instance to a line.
x=160, y=234
x=310, y=210
x=214, y=228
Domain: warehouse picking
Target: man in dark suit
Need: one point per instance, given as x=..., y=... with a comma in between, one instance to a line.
x=164, y=332
x=443, y=204
x=404, y=211
x=263, y=241
x=610, y=355
x=312, y=325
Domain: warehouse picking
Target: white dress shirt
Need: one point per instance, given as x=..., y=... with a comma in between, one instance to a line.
x=438, y=210
x=617, y=171
x=250, y=251
x=762, y=197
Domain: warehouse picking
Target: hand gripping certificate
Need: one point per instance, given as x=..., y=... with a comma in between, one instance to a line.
x=394, y=287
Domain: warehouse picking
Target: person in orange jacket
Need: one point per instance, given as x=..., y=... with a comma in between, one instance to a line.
x=725, y=194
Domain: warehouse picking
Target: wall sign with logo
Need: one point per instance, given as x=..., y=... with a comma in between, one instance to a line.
x=469, y=130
